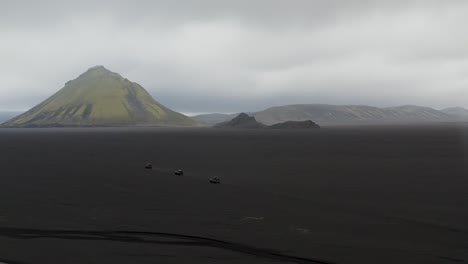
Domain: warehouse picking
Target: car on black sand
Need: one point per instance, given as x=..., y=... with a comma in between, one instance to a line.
x=215, y=180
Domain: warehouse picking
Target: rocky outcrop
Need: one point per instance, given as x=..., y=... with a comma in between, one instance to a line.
x=241, y=121
x=308, y=124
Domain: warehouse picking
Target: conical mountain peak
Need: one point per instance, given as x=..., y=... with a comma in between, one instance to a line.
x=100, y=71
x=97, y=67
x=100, y=97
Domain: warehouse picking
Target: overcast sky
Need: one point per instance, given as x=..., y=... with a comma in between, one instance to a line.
x=200, y=56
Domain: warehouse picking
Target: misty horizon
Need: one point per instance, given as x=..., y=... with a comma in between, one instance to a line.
x=244, y=110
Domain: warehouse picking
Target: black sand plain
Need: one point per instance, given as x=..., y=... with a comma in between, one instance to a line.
x=387, y=194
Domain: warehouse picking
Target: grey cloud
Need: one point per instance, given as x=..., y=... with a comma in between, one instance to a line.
x=263, y=12
x=229, y=56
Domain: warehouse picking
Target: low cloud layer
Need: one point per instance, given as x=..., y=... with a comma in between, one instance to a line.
x=229, y=56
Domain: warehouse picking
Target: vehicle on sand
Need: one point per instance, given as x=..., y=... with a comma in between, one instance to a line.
x=215, y=180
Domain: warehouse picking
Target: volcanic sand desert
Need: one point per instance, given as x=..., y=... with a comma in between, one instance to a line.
x=386, y=194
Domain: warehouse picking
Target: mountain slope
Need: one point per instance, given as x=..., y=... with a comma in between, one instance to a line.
x=413, y=112
x=100, y=97
x=349, y=114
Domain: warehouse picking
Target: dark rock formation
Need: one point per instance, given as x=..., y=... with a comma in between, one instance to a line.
x=241, y=121
x=308, y=124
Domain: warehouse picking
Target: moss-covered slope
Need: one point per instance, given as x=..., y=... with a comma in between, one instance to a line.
x=100, y=97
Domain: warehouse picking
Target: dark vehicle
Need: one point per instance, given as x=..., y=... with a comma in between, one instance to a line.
x=179, y=172
x=148, y=166
x=215, y=180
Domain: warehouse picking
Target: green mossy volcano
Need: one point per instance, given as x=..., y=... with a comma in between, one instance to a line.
x=100, y=97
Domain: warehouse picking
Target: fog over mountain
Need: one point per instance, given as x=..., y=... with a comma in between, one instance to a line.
x=230, y=56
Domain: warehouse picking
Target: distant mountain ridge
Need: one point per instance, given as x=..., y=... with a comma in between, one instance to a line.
x=350, y=114
x=324, y=114
x=458, y=112
x=100, y=97
x=7, y=115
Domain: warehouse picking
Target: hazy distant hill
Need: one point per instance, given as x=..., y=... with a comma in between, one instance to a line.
x=350, y=114
x=413, y=112
x=100, y=97
x=5, y=116
x=459, y=112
